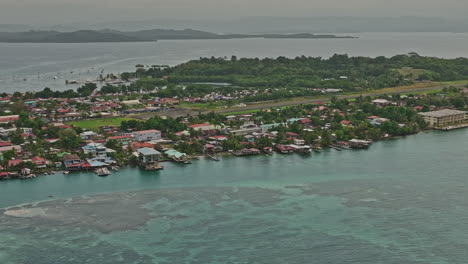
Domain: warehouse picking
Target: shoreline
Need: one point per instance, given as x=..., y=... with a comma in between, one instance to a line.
x=231, y=154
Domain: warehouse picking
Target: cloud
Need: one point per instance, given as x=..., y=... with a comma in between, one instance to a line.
x=60, y=11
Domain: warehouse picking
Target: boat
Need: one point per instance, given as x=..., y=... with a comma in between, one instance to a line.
x=359, y=144
x=317, y=148
x=102, y=172
x=66, y=172
x=304, y=149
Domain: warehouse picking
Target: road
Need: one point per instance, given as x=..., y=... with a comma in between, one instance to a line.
x=265, y=105
x=180, y=111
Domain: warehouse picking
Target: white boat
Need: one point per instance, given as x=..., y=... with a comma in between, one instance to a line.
x=102, y=172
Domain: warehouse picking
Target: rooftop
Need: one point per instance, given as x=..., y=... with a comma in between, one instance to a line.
x=442, y=113
x=148, y=151
x=147, y=131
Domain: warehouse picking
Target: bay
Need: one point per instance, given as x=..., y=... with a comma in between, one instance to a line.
x=33, y=66
x=401, y=201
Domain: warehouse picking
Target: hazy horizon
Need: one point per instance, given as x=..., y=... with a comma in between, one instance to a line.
x=50, y=12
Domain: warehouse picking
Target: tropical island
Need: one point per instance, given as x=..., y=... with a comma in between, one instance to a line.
x=90, y=36
x=239, y=107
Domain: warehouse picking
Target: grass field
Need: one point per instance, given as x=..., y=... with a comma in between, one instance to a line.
x=96, y=123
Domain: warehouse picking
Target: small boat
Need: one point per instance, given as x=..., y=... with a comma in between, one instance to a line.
x=317, y=148
x=102, y=172
x=66, y=172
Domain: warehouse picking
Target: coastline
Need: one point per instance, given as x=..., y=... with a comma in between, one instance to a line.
x=61, y=172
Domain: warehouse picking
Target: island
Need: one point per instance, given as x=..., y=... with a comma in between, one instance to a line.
x=158, y=114
x=90, y=36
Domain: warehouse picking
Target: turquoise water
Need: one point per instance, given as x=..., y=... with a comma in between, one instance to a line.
x=401, y=201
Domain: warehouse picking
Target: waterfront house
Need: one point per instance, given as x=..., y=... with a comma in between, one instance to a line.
x=39, y=162
x=246, y=152
x=72, y=162
x=147, y=135
x=149, y=158
x=176, y=155
x=209, y=149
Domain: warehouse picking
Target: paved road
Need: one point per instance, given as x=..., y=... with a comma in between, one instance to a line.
x=265, y=105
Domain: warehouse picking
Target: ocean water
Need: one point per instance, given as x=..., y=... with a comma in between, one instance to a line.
x=31, y=67
x=401, y=201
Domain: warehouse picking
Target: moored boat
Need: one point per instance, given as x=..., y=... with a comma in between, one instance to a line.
x=102, y=172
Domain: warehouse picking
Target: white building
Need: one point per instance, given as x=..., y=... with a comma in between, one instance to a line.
x=445, y=117
x=96, y=149
x=87, y=135
x=147, y=135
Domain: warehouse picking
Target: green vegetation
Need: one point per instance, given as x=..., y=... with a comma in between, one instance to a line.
x=338, y=71
x=93, y=124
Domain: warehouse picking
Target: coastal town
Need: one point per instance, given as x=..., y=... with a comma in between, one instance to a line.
x=100, y=130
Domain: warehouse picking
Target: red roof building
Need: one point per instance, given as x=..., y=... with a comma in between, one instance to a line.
x=345, y=122
x=9, y=119
x=5, y=144
x=14, y=162
x=120, y=137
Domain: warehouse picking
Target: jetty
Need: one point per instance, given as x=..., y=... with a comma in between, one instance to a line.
x=359, y=144
x=335, y=147
x=246, y=152
x=212, y=157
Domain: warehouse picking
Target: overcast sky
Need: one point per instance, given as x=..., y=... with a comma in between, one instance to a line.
x=70, y=11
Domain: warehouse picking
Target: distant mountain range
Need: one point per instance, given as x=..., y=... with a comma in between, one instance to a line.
x=268, y=25
x=88, y=36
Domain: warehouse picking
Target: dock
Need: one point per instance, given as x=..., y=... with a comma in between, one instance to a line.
x=335, y=147
x=212, y=157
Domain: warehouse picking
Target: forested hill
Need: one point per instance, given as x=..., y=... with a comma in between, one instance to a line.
x=84, y=36
x=338, y=71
